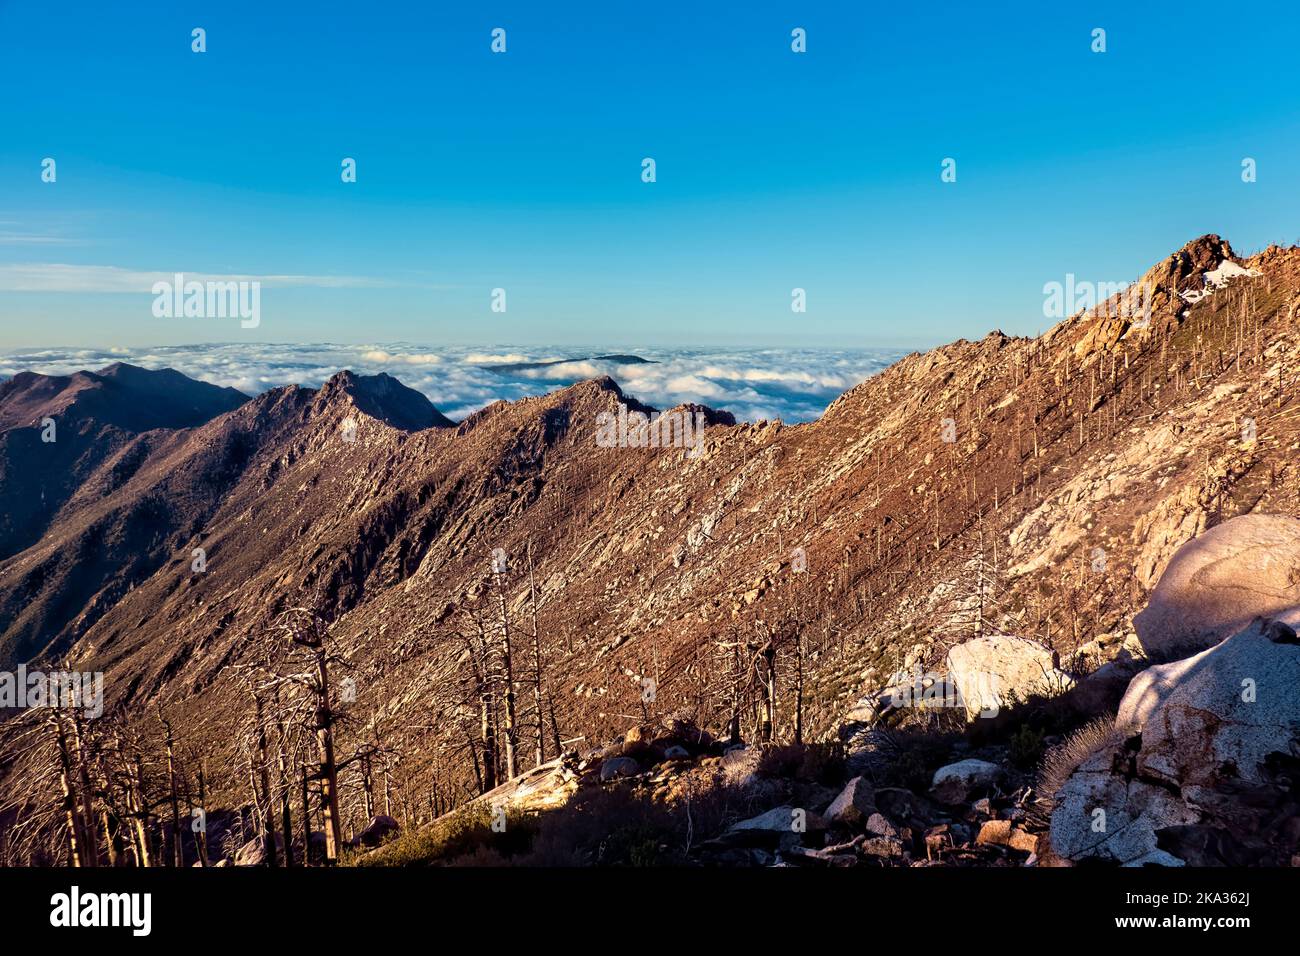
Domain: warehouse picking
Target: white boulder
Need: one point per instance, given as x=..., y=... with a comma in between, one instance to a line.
x=1217, y=583
x=992, y=672
x=957, y=782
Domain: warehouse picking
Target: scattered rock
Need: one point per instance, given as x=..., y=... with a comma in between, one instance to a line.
x=887, y=848
x=957, y=782
x=253, y=853
x=1218, y=715
x=939, y=838
x=1005, y=833
x=1206, y=775
x=617, y=767
x=856, y=802
x=784, y=826
x=1109, y=816
x=877, y=825
x=783, y=819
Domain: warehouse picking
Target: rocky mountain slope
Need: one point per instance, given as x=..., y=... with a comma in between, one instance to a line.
x=114, y=415
x=774, y=581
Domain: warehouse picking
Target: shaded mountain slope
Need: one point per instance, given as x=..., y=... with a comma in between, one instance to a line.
x=97, y=417
x=116, y=530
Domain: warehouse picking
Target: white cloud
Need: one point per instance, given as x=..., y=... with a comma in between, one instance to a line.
x=487, y=358
x=381, y=357
x=791, y=384
x=9, y=237
x=62, y=277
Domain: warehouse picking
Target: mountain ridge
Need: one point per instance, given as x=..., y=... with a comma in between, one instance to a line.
x=961, y=491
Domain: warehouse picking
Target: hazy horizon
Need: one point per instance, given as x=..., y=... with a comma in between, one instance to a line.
x=794, y=385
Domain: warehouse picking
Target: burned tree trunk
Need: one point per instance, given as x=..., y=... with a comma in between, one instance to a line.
x=286, y=788
x=77, y=853
x=136, y=807
x=537, y=663
x=480, y=660
x=267, y=801
x=201, y=835
x=91, y=856
x=328, y=772
x=308, y=630
x=306, y=821
x=507, y=678
x=178, y=851
x=766, y=663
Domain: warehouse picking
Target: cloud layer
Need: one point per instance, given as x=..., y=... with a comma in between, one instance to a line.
x=794, y=385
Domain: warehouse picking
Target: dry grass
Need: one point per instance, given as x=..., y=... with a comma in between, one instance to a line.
x=1066, y=757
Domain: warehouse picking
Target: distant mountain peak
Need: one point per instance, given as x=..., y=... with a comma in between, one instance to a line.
x=126, y=396
x=384, y=398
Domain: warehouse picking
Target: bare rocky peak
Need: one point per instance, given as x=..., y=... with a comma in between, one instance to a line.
x=384, y=398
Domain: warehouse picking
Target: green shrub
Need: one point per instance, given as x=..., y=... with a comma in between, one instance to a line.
x=460, y=833
x=1026, y=746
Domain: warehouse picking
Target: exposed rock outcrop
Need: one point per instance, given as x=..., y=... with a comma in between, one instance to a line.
x=1203, y=771
x=1218, y=582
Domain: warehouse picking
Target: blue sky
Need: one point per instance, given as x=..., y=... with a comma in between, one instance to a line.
x=522, y=171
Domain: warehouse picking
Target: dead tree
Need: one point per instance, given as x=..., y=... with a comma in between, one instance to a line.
x=266, y=808
x=285, y=783
x=306, y=821
x=537, y=661
x=764, y=663
x=477, y=649
x=79, y=844
x=87, y=791
x=201, y=835
x=308, y=634
x=137, y=809
x=507, y=673
x=178, y=852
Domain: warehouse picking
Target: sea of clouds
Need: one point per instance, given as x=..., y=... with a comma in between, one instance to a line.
x=794, y=385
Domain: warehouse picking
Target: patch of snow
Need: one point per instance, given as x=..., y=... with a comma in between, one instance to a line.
x=1228, y=270
x=1217, y=279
